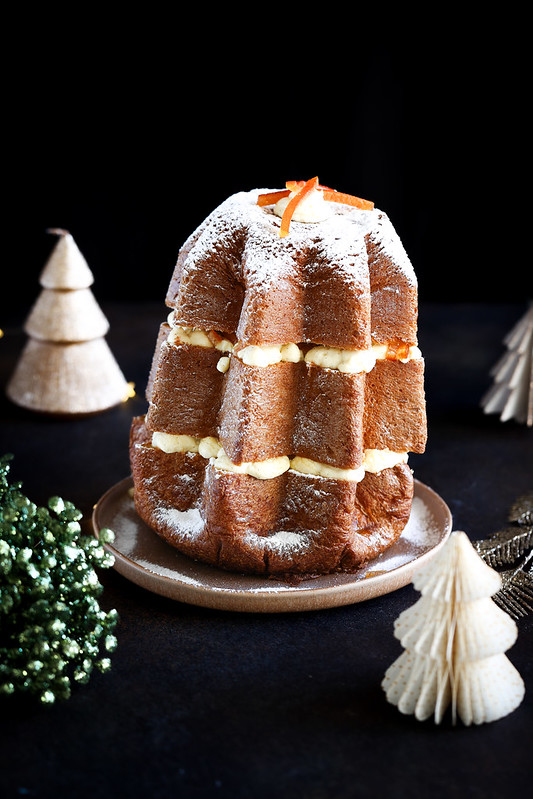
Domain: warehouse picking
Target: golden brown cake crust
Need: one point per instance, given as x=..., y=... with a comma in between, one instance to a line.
x=343, y=283
x=289, y=524
x=287, y=408
x=187, y=391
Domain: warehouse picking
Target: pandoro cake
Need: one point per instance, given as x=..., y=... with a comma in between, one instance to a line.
x=286, y=389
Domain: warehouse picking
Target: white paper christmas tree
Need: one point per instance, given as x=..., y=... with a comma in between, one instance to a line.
x=66, y=366
x=454, y=639
x=511, y=393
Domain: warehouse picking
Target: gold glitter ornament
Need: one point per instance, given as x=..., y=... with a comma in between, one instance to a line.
x=513, y=546
x=522, y=510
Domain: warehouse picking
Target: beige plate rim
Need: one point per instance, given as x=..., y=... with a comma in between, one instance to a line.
x=144, y=559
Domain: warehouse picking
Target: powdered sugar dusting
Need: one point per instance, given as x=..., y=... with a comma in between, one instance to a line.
x=137, y=550
x=286, y=541
x=387, y=239
x=422, y=528
x=421, y=532
x=188, y=523
x=172, y=574
x=268, y=256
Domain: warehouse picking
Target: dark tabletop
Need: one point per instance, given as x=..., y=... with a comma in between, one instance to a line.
x=205, y=703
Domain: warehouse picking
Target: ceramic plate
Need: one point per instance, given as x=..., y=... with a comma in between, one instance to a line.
x=142, y=557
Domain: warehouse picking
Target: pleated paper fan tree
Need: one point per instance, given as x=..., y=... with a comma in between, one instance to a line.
x=511, y=392
x=455, y=638
x=67, y=366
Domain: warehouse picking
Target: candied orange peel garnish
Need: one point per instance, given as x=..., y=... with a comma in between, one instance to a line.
x=348, y=199
x=397, y=350
x=272, y=197
x=302, y=189
x=293, y=204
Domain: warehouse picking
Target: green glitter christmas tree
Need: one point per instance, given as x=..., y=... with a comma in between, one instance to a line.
x=53, y=632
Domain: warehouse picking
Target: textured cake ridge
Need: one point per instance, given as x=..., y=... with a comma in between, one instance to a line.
x=341, y=291
x=256, y=281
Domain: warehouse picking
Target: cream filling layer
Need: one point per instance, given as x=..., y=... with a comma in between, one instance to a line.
x=198, y=338
x=347, y=361
x=374, y=460
x=312, y=208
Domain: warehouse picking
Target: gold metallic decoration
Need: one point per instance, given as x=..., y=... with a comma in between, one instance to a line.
x=516, y=593
x=513, y=546
x=505, y=546
x=522, y=510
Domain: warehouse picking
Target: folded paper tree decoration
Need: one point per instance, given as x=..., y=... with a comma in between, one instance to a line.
x=511, y=394
x=454, y=638
x=66, y=366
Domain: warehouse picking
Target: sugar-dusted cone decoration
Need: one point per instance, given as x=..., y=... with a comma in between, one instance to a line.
x=454, y=639
x=511, y=394
x=66, y=366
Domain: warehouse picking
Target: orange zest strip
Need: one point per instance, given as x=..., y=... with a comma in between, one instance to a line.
x=348, y=199
x=294, y=185
x=272, y=197
x=300, y=188
x=292, y=205
x=397, y=351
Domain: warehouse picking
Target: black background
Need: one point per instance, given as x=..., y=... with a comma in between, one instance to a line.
x=128, y=131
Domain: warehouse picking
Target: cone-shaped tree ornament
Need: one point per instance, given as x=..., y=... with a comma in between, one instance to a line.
x=66, y=366
x=511, y=394
x=454, y=639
